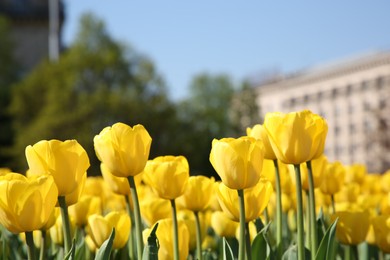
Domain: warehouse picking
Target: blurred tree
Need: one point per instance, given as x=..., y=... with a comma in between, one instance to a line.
x=8, y=76
x=203, y=117
x=244, y=110
x=96, y=83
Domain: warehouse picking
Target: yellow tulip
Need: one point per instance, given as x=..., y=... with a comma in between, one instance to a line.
x=85, y=207
x=319, y=140
x=223, y=225
x=100, y=228
x=74, y=196
x=318, y=165
x=296, y=137
x=381, y=226
x=252, y=231
x=66, y=161
x=256, y=200
x=123, y=149
x=154, y=209
x=4, y=171
x=352, y=226
x=385, y=182
x=259, y=132
x=333, y=180
x=348, y=193
x=355, y=173
x=26, y=204
x=165, y=239
x=197, y=194
x=238, y=161
x=168, y=176
x=56, y=231
x=118, y=185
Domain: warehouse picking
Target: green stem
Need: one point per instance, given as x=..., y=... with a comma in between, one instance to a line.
x=65, y=223
x=137, y=216
x=355, y=252
x=333, y=203
x=130, y=242
x=347, y=252
x=312, y=215
x=279, y=227
x=300, y=230
x=248, y=242
x=241, y=246
x=266, y=216
x=198, y=237
x=43, y=245
x=176, y=255
x=30, y=245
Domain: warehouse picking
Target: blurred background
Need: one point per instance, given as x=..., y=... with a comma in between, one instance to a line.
x=190, y=72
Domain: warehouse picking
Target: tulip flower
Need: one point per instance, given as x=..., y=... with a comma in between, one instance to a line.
x=333, y=178
x=100, y=228
x=26, y=204
x=259, y=132
x=256, y=200
x=355, y=173
x=125, y=151
x=154, y=209
x=223, y=225
x=164, y=235
x=381, y=226
x=56, y=231
x=168, y=176
x=352, y=226
x=197, y=197
x=66, y=161
x=238, y=161
x=296, y=137
x=85, y=207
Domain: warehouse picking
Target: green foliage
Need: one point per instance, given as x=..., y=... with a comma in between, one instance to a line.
x=227, y=252
x=151, y=249
x=96, y=82
x=327, y=248
x=8, y=76
x=104, y=251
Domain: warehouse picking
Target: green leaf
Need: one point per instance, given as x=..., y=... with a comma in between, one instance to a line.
x=71, y=253
x=226, y=250
x=151, y=249
x=105, y=250
x=327, y=245
x=80, y=249
x=259, y=247
x=292, y=253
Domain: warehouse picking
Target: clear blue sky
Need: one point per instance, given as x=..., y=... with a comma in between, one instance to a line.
x=240, y=38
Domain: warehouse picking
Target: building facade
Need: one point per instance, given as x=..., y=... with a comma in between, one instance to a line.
x=352, y=95
x=30, y=29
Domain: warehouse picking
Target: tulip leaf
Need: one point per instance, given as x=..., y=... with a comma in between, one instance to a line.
x=71, y=253
x=326, y=249
x=226, y=250
x=105, y=250
x=292, y=253
x=151, y=249
x=259, y=247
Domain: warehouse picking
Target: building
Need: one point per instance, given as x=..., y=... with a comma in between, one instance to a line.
x=30, y=29
x=353, y=95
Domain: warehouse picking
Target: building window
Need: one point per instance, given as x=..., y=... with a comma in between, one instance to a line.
x=379, y=83
x=364, y=86
x=348, y=90
x=352, y=129
x=337, y=130
x=334, y=92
